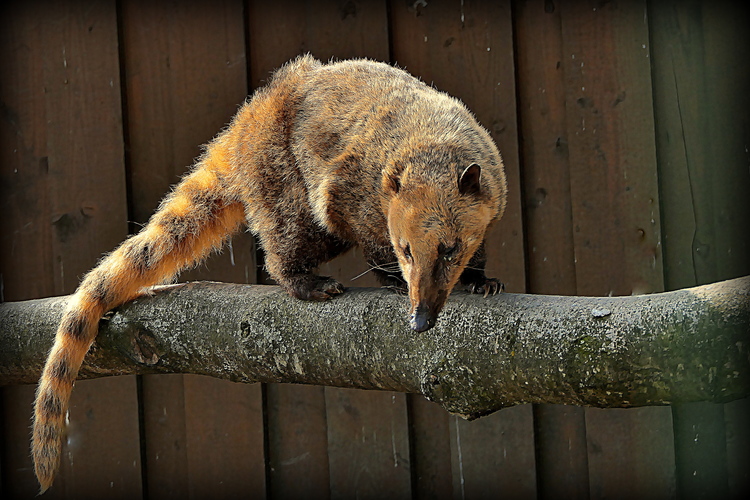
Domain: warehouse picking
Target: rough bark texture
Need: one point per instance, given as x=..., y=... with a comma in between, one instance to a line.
x=484, y=354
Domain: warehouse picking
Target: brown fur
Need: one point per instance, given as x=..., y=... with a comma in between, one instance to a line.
x=322, y=158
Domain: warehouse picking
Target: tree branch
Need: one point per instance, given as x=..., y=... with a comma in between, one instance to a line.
x=484, y=354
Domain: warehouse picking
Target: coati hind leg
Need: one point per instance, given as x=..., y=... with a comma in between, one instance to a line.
x=293, y=250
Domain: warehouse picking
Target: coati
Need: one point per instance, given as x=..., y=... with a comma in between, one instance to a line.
x=324, y=157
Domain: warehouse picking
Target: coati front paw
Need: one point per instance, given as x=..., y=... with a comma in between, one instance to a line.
x=315, y=288
x=488, y=286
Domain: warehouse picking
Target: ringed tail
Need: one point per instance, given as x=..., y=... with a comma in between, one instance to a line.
x=192, y=220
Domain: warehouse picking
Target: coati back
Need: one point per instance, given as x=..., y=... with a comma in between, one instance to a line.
x=324, y=157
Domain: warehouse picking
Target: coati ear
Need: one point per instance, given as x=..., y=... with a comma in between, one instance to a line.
x=392, y=182
x=468, y=183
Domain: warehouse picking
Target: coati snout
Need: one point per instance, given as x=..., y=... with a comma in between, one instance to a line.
x=435, y=231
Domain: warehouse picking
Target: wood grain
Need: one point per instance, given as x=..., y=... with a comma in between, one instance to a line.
x=65, y=179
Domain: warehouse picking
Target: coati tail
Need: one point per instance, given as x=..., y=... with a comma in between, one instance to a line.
x=194, y=219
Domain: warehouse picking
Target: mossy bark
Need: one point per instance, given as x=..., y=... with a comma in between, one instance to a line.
x=484, y=353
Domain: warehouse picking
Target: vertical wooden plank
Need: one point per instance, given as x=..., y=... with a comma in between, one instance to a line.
x=678, y=102
x=700, y=88
x=737, y=416
x=63, y=200
x=368, y=450
x=224, y=438
x=701, y=450
x=466, y=49
x=102, y=449
x=560, y=431
x=328, y=29
x=701, y=104
x=431, y=450
x=185, y=76
x=544, y=148
x=25, y=228
x=17, y=469
x=615, y=205
x=611, y=145
x=63, y=134
x=82, y=108
x=630, y=453
x=204, y=437
x=297, y=434
x=562, y=464
x=164, y=415
x=495, y=458
x=2, y=446
x=727, y=44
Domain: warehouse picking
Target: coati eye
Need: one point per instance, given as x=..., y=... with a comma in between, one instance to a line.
x=407, y=253
x=448, y=254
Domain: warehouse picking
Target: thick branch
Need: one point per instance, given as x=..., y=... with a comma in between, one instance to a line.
x=484, y=354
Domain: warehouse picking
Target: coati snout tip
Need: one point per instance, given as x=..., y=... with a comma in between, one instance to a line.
x=422, y=319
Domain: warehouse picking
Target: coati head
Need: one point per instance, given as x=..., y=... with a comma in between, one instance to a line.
x=435, y=226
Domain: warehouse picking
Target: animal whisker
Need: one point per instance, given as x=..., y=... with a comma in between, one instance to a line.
x=361, y=274
x=384, y=267
x=390, y=268
x=397, y=289
x=486, y=270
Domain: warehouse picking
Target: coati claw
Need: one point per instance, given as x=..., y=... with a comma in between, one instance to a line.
x=491, y=286
x=317, y=288
x=329, y=287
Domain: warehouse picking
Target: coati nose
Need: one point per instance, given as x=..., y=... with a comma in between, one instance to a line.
x=422, y=319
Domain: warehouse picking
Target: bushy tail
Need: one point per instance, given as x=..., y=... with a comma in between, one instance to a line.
x=194, y=219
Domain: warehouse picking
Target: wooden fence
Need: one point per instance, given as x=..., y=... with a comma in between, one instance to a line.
x=624, y=127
